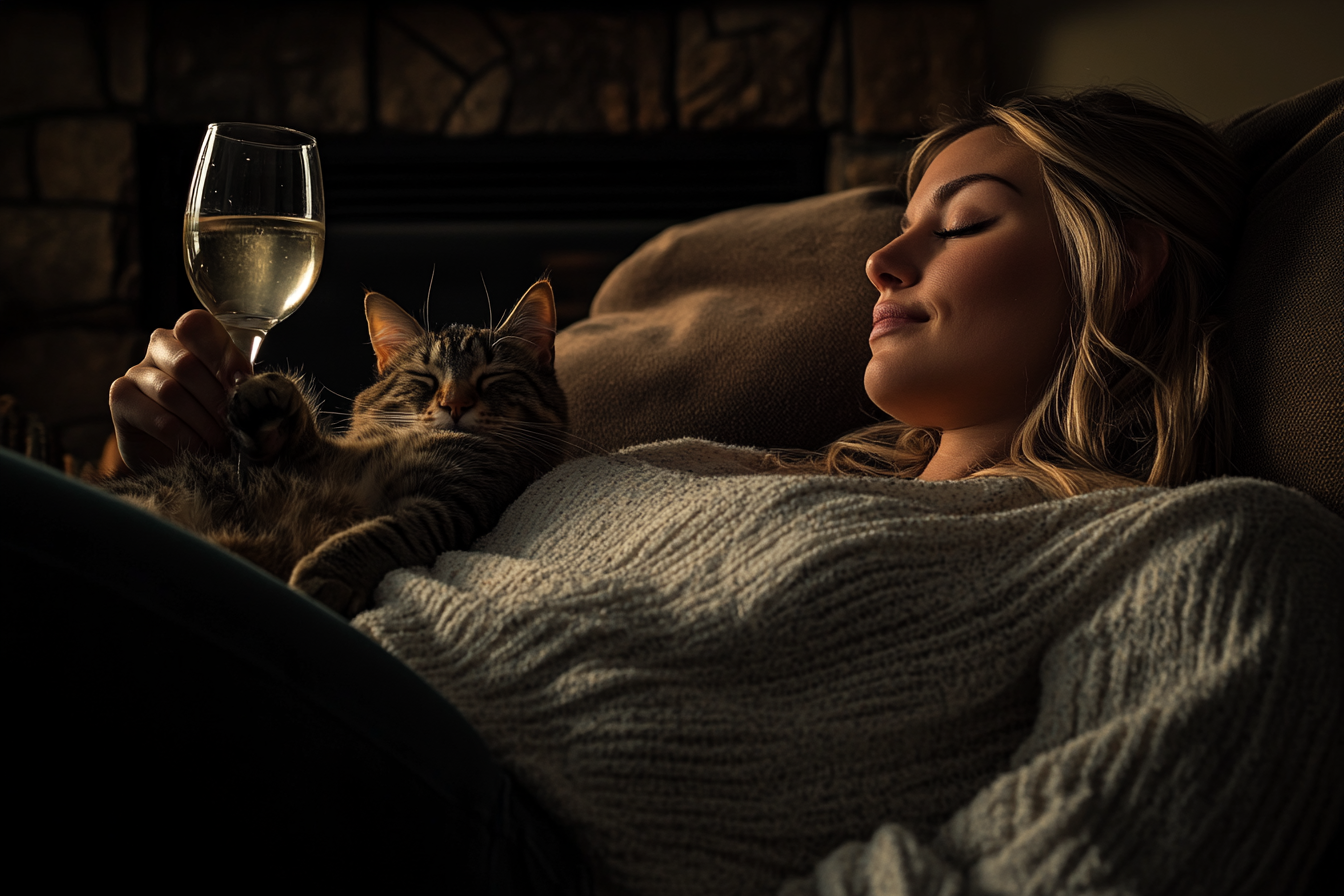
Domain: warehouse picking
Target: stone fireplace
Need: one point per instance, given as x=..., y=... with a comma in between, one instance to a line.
x=485, y=144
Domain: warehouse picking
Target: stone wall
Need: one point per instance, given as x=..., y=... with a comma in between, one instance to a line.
x=76, y=78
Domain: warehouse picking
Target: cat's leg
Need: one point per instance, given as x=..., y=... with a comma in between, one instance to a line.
x=344, y=570
x=270, y=416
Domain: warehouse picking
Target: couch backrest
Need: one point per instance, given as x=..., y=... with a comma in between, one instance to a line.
x=1286, y=295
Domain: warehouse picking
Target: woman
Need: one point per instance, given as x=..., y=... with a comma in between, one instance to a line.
x=1091, y=262
x=1044, y=326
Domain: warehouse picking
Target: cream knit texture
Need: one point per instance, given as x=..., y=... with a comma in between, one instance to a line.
x=725, y=682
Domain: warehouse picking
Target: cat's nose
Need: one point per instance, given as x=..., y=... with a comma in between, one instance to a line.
x=458, y=399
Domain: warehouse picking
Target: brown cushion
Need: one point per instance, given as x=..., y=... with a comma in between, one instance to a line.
x=748, y=327
x=1286, y=297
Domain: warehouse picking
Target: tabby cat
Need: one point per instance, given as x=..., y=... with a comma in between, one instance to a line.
x=457, y=424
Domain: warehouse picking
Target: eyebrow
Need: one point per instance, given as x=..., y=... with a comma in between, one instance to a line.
x=954, y=186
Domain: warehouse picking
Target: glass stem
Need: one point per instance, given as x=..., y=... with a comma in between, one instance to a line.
x=248, y=341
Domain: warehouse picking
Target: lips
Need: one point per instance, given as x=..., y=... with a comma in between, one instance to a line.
x=890, y=316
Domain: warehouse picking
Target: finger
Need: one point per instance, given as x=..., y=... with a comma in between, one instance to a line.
x=205, y=337
x=177, y=416
x=193, y=376
x=147, y=435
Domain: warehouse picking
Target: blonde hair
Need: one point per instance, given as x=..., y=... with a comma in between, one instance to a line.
x=1137, y=397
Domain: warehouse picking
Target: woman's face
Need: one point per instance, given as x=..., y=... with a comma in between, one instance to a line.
x=973, y=302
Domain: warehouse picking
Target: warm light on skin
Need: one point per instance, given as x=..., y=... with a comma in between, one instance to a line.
x=981, y=315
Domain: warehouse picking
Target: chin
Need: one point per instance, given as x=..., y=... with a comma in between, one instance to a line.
x=894, y=392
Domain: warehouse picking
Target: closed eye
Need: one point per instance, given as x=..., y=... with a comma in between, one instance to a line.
x=967, y=230
x=425, y=380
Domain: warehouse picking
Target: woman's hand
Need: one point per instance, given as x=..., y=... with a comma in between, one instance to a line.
x=174, y=399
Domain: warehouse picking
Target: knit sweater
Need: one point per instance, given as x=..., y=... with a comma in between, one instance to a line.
x=724, y=682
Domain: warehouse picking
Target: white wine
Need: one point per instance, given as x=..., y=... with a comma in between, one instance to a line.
x=252, y=271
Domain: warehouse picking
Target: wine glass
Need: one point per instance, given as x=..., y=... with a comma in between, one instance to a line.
x=255, y=227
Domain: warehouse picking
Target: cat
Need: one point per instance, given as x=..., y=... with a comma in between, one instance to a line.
x=457, y=424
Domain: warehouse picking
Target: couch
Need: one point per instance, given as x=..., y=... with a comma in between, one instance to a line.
x=238, y=727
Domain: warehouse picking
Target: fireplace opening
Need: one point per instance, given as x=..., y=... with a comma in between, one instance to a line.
x=483, y=217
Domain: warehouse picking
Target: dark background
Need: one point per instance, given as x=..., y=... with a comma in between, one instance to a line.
x=482, y=219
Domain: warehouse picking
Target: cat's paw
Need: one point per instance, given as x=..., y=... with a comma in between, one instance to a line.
x=266, y=414
x=336, y=595
x=312, y=578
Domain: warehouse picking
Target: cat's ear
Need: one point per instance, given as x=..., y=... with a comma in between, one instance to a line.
x=532, y=321
x=390, y=328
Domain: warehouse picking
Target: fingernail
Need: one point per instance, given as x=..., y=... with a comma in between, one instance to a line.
x=238, y=377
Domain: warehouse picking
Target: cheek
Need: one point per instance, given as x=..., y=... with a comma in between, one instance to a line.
x=1007, y=311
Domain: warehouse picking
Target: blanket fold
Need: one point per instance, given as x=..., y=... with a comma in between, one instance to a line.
x=721, y=680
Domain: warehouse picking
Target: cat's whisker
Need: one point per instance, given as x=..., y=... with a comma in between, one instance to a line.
x=424, y=309
x=539, y=424
x=489, y=307
x=527, y=342
x=576, y=447
x=527, y=435
x=525, y=447
x=328, y=389
x=554, y=432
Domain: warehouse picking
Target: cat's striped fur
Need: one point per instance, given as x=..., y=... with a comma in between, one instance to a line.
x=458, y=423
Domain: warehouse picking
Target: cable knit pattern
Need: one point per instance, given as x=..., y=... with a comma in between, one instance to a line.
x=727, y=683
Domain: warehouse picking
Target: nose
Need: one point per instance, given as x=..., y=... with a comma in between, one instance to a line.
x=891, y=267
x=458, y=398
